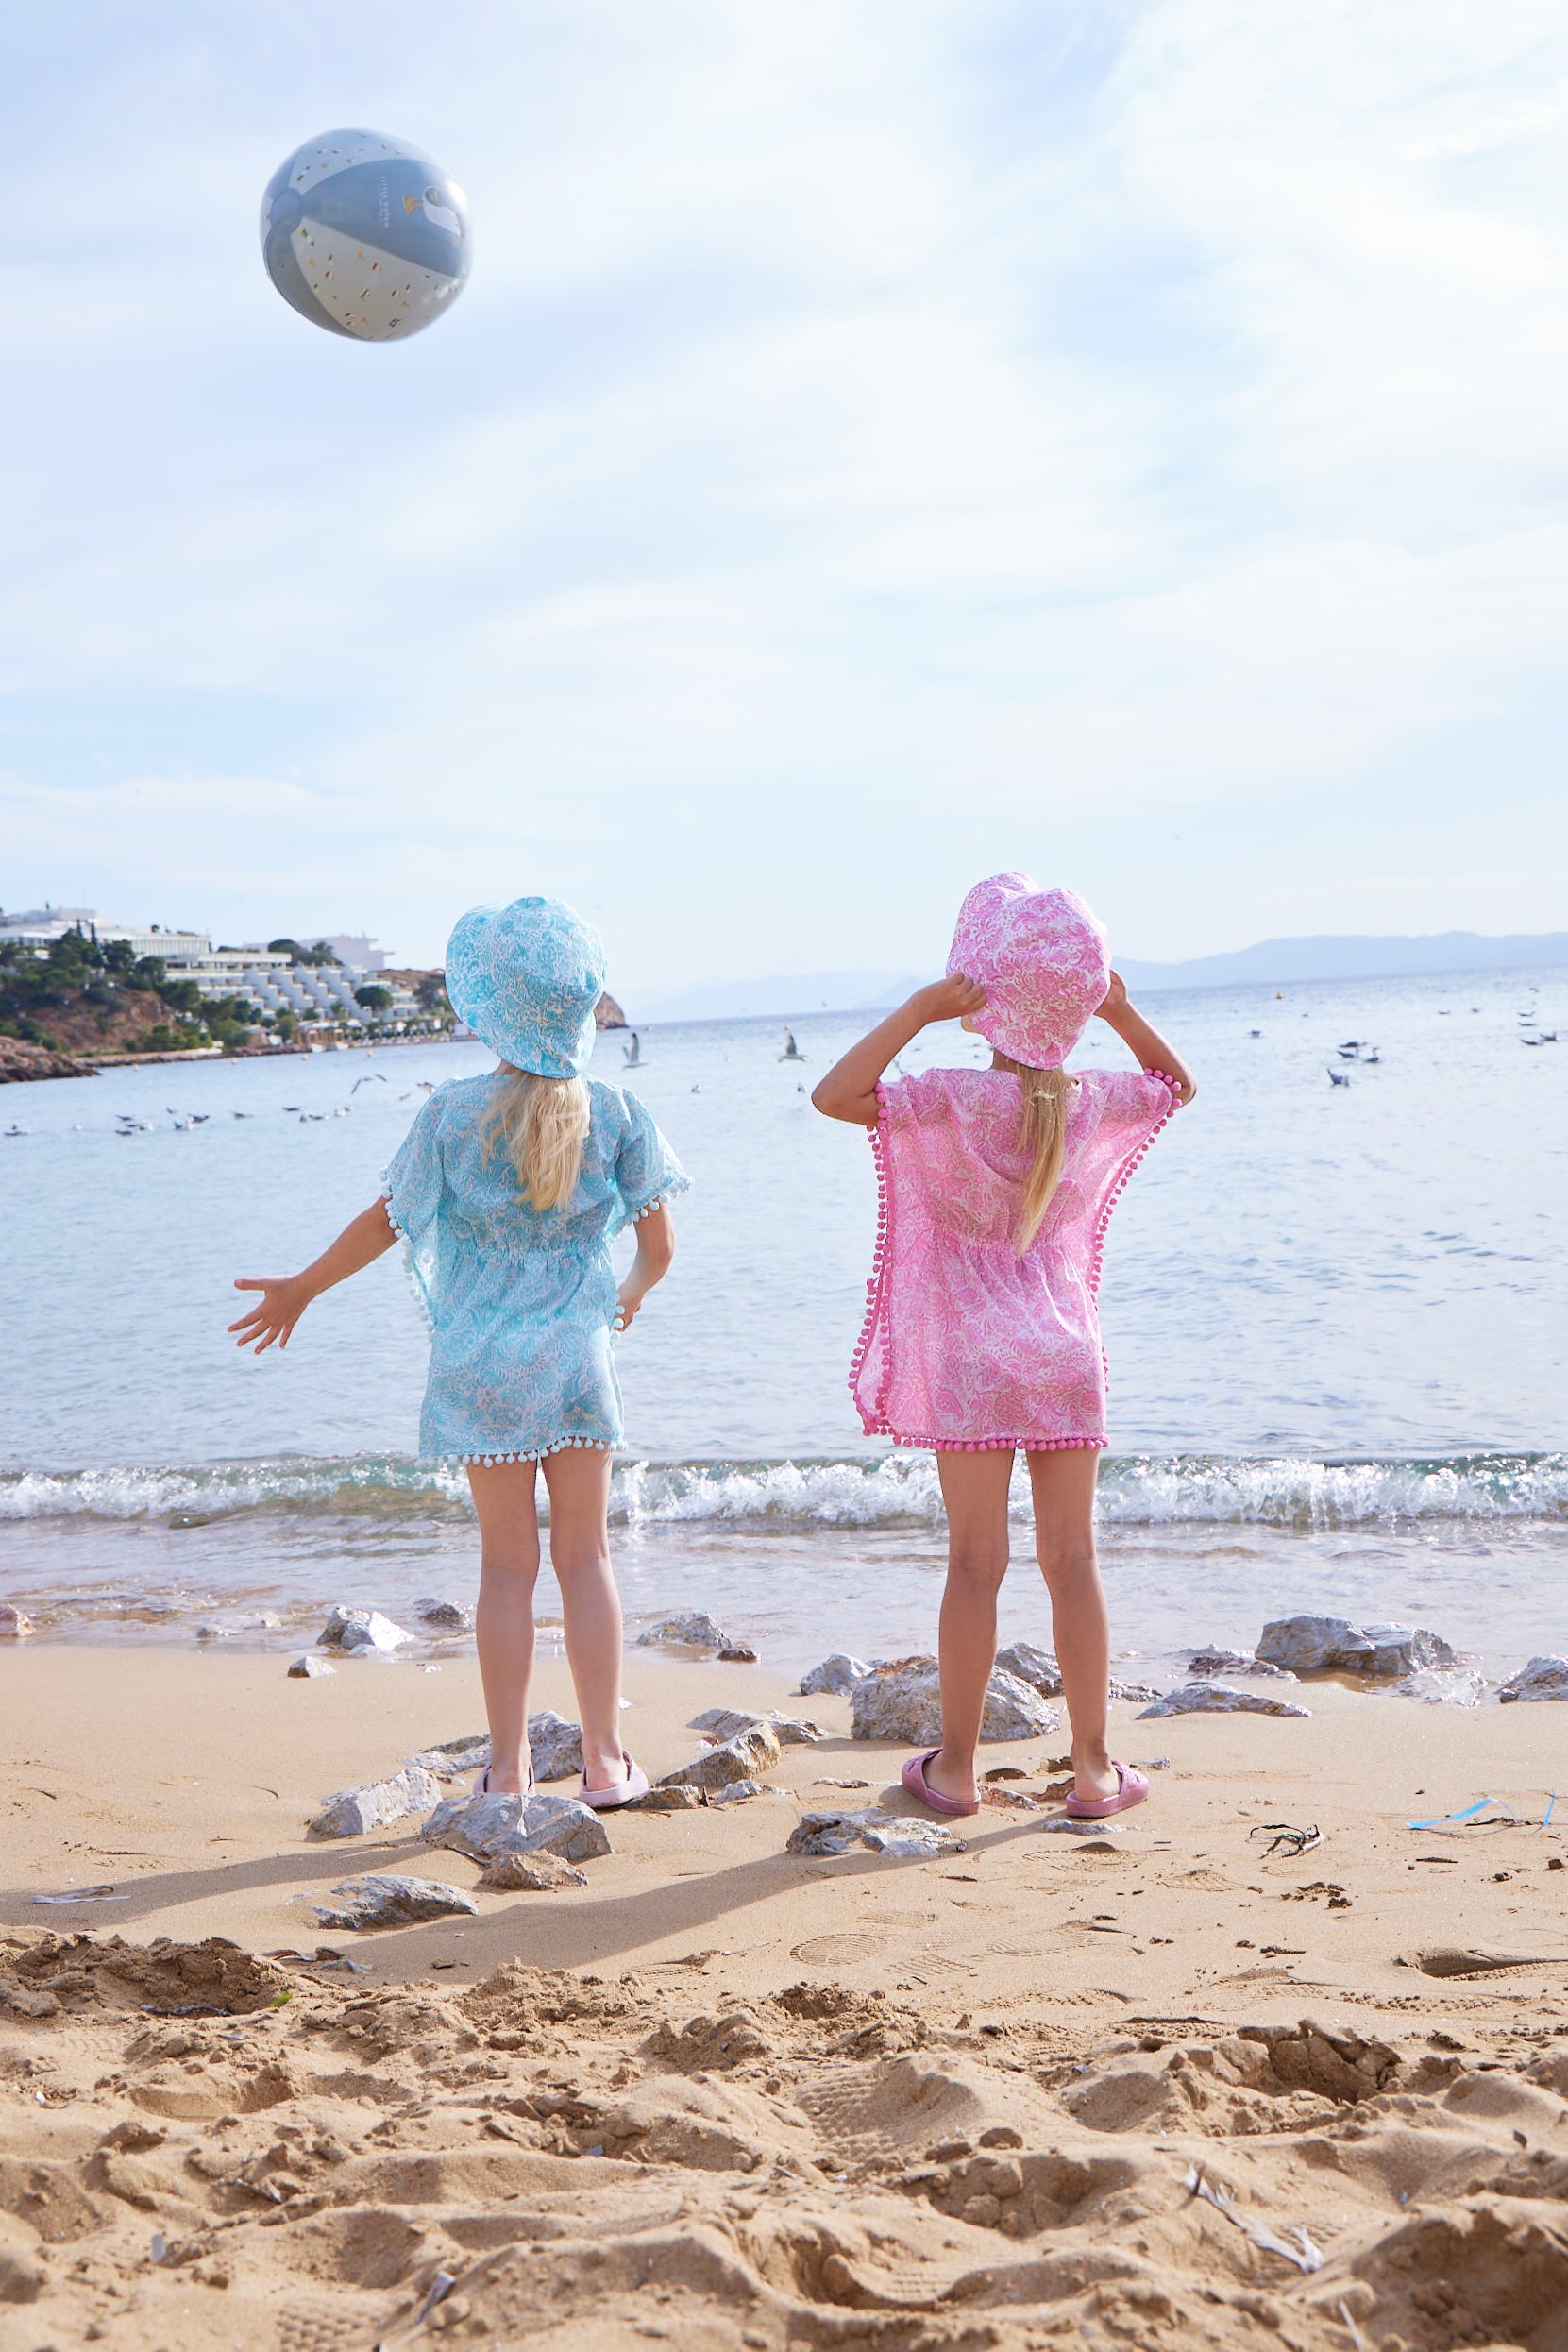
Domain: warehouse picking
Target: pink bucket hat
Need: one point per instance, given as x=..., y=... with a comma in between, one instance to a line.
x=1041, y=955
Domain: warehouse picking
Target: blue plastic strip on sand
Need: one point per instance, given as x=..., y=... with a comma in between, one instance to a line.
x=1551, y=1809
x=1440, y=1820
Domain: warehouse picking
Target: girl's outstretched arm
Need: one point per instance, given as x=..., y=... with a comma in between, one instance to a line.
x=850, y=1089
x=285, y=1296
x=1145, y=1041
x=655, y=1231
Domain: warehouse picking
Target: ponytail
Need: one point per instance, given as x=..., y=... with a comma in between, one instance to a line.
x=542, y=1124
x=1043, y=1138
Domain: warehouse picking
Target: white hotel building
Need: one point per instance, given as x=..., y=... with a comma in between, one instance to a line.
x=316, y=995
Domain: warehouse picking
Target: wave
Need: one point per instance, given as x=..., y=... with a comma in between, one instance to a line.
x=887, y=1491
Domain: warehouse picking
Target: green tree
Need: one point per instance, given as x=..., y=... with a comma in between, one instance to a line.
x=373, y=997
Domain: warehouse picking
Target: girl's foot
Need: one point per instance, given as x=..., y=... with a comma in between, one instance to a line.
x=493, y=1783
x=617, y=1788
x=1130, y=1788
x=944, y=1792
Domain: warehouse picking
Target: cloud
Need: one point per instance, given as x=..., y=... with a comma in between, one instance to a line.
x=877, y=439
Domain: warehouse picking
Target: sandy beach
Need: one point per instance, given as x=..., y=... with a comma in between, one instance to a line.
x=723, y=2095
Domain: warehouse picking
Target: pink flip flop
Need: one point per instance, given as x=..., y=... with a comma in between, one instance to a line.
x=1132, y=1787
x=606, y=1800
x=914, y=1779
x=481, y=1786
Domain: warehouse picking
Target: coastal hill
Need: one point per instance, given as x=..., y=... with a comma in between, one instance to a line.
x=1270, y=963
x=1368, y=957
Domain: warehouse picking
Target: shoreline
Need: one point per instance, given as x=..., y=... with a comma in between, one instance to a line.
x=730, y=2095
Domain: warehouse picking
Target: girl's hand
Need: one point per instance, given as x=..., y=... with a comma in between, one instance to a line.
x=1115, y=1001
x=953, y=999
x=628, y=1299
x=284, y=1300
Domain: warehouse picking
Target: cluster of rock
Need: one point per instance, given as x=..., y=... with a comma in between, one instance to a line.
x=898, y=1699
x=892, y=1834
x=696, y=1630
x=1217, y=1699
x=1309, y=1645
x=1539, y=1678
x=20, y=1059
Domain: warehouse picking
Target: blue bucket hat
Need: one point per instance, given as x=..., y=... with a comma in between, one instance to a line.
x=526, y=978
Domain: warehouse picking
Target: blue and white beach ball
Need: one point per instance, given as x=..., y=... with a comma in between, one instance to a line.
x=364, y=235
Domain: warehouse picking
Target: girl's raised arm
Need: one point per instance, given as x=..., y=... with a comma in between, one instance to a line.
x=850, y=1089
x=285, y=1296
x=1146, y=1040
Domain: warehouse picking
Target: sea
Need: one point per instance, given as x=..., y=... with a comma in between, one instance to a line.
x=1336, y=1317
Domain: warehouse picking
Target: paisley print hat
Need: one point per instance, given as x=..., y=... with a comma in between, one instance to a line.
x=526, y=978
x=1041, y=955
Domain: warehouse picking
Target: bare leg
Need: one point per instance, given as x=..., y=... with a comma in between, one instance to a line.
x=579, y=1483
x=1064, y=1538
x=975, y=1489
x=503, y=1496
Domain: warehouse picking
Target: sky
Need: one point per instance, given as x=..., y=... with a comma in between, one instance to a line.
x=881, y=442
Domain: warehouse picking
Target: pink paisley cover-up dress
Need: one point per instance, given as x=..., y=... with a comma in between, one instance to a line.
x=966, y=1344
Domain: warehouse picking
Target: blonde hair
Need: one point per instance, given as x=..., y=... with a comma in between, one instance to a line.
x=1046, y=1095
x=543, y=1123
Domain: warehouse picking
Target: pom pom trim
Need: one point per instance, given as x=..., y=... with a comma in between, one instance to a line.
x=410, y=1271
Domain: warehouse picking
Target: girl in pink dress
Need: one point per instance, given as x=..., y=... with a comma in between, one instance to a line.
x=982, y=1333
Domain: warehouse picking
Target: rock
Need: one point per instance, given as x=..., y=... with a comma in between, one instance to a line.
x=384, y=1898
x=1539, y=1678
x=360, y=1629
x=793, y=1731
x=1334, y=1646
x=305, y=1670
x=1131, y=1690
x=374, y=1804
x=835, y=1677
x=486, y=1828
x=675, y=1800
x=556, y=1746
x=741, y=1758
x=1211, y=1661
x=738, y=1792
x=883, y=1833
x=1444, y=1685
x=1037, y=1667
x=737, y=1653
x=900, y=1702
x=1218, y=1699
x=448, y=1616
x=530, y=1873
x=695, y=1631
x=14, y=1626
x=455, y=1759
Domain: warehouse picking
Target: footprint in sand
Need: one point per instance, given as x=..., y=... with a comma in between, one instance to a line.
x=837, y=1951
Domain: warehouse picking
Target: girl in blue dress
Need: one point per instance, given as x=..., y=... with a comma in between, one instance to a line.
x=507, y=1193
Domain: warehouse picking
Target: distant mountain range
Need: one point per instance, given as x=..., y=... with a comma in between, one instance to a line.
x=1271, y=962
x=1367, y=957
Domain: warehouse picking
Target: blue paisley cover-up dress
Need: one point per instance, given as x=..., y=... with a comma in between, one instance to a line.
x=520, y=1301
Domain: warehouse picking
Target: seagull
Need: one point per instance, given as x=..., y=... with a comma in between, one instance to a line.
x=1254, y=1032
x=371, y=1078
x=1339, y=1077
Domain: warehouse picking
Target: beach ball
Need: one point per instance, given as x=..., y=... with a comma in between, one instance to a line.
x=366, y=236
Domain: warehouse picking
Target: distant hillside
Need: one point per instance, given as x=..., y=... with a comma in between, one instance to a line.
x=1271, y=962
x=1368, y=957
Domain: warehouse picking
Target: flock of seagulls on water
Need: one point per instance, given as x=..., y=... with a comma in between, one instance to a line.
x=1354, y=1049
x=1541, y=1037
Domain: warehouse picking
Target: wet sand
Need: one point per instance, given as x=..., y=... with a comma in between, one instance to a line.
x=728, y=2096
